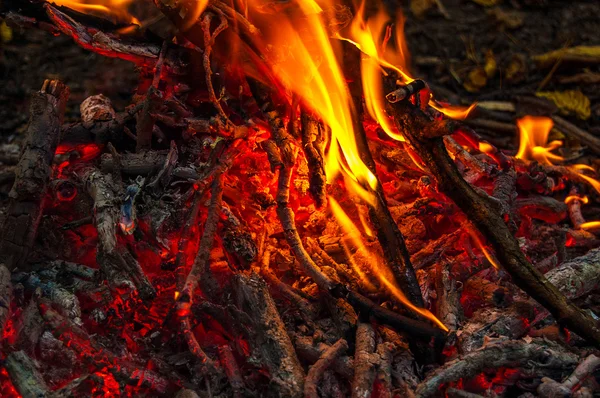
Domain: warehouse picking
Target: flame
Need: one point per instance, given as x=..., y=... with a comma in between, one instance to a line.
x=590, y=225
x=176, y=295
x=486, y=148
x=475, y=236
x=572, y=198
x=383, y=274
x=371, y=36
x=534, y=145
x=116, y=10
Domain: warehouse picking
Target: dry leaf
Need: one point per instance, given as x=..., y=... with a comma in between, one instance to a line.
x=476, y=80
x=420, y=7
x=490, y=64
x=487, y=3
x=569, y=102
x=516, y=70
x=583, y=54
x=6, y=33
x=508, y=19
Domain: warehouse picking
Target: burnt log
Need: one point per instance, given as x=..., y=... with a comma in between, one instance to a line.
x=33, y=173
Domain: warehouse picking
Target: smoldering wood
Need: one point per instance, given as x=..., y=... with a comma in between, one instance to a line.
x=32, y=173
x=495, y=355
x=6, y=295
x=577, y=277
x=489, y=292
x=384, y=369
x=268, y=335
x=232, y=370
x=489, y=221
x=312, y=144
x=449, y=309
x=25, y=376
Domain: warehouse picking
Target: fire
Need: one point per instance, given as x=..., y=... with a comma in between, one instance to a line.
x=533, y=133
x=117, y=10
x=382, y=273
x=590, y=225
x=572, y=198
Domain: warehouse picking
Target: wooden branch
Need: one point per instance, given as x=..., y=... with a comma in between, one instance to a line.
x=232, y=370
x=6, y=295
x=496, y=355
x=490, y=223
x=32, y=173
x=24, y=375
x=364, y=363
x=316, y=371
x=569, y=128
x=577, y=277
x=343, y=365
x=268, y=335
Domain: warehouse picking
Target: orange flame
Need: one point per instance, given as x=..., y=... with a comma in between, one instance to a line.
x=572, y=198
x=489, y=256
x=380, y=271
x=533, y=145
x=590, y=225
x=117, y=10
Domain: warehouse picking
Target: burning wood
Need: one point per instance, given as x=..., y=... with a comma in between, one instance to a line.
x=243, y=226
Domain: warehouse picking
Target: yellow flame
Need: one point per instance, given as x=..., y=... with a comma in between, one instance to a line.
x=591, y=225
x=534, y=145
x=491, y=258
x=486, y=148
x=383, y=274
x=176, y=295
x=572, y=198
x=114, y=9
x=302, y=57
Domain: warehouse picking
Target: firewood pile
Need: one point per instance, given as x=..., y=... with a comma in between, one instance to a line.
x=283, y=213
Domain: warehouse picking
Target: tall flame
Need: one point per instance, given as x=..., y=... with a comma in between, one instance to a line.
x=382, y=273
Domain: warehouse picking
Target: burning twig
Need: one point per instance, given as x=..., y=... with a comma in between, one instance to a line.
x=33, y=173
x=489, y=221
x=209, y=40
x=493, y=356
x=316, y=371
x=200, y=269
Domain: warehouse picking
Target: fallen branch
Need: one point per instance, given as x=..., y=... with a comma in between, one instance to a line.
x=318, y=369
x=488, y=219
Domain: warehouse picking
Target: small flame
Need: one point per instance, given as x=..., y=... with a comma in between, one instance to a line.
x=534, y=145
x=381, y=272
x=477, y=240
x=571, y=198
x=114, y=9
x=590, y=225
x=176, y=295
x=486, y=148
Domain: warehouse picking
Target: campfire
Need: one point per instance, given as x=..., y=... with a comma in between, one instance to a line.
x=286, y=210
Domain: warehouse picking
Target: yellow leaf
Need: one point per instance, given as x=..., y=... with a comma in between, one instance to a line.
x=569, y=102
x=580, y=54
x=420, y=7
x=487, y=3
x=490, y=64
x=6, y=33
x=516, y=69
x=476, y=80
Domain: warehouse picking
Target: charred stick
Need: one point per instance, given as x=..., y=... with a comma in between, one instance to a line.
x=232, y=370
x=312, y=144
x=24, y=375
x=550, y=388
x=268, y=335
x=316, y=371
x=273, y=115
x=489, y=221
x=384, y=369
x=449, y=309
x=303, y=304
x=200, y=270
x=343, y=365
x=586, y=138
x=33, y=173
x=455, y=393
x=478, y=166
x=494, y=356
x=6, y=294
x=574, y=206
x=364, y=361
x=577, y=277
